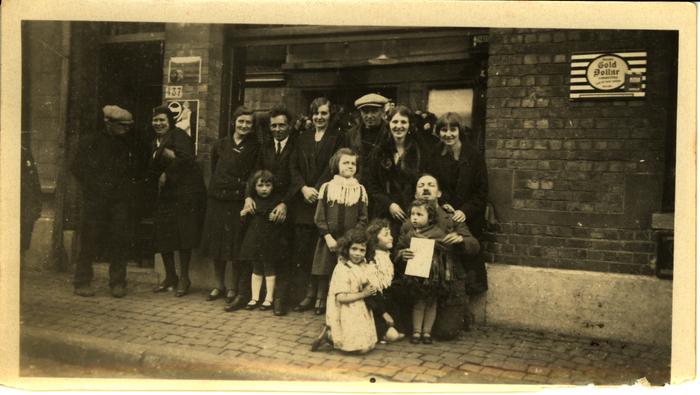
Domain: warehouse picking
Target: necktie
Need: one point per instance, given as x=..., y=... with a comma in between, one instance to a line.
x=279, y=147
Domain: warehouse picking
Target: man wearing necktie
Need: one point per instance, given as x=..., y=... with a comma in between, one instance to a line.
x=275, y=156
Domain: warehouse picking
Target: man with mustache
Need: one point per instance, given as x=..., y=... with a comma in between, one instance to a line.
x=451, y=310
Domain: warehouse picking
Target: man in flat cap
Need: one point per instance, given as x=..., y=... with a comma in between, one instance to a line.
x=108, y=166
x=363, y=137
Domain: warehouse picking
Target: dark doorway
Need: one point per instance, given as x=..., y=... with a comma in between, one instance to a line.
x=131, y=76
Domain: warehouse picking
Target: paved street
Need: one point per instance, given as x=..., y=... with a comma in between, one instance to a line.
x=161, y=336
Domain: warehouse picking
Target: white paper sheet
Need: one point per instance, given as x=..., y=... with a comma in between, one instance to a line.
x=422, y=249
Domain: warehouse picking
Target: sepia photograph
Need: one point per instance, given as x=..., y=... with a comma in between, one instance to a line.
x=331, y=194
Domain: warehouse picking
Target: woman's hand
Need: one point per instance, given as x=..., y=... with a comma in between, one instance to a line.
x=459, y=216
x=249, y=205
x=331, y=243
x=279, y=213
x=406, y=254
x=161, y=180
x=396, y=212
x=310, y=194
x=452, y=238
x=168, y=153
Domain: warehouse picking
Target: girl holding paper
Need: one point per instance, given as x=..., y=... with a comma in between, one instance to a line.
x=435, y=282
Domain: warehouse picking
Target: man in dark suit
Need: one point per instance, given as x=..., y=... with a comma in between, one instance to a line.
x=275, y=156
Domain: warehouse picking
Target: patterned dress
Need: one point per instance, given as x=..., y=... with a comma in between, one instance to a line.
x=352, y=324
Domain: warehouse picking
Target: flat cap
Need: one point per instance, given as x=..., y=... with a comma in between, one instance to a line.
x=371, y=100
x=117, y=114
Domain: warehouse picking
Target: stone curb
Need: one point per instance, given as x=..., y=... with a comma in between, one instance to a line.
x=157, y=361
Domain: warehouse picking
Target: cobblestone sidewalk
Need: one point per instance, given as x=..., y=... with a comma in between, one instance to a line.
x=259, y=345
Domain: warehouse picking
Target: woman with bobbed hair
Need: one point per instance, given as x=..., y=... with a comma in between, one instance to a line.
x=394, y=167
x=232, y=162
x=181, y=198
x=460, y=170
x=309, y=170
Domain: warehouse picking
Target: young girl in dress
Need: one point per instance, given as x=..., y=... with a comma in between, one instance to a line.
x=342, y=205
x=381, y=276
x=349, y=323
x=260, y=229
x=426, y=291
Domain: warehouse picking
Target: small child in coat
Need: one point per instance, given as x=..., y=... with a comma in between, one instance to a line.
x=261, y=232
x=342, y=205
x=426, y=291
x=381, y=276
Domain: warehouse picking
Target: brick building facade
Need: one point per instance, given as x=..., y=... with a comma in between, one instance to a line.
x=575, y=184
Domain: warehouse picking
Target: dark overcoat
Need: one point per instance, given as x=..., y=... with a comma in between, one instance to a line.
x=309, y=167
x=231, y=166
x=181, y=200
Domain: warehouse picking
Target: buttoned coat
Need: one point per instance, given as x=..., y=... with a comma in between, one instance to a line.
x=309, y=167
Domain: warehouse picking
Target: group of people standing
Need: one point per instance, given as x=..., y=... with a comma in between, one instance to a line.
x=290, y=209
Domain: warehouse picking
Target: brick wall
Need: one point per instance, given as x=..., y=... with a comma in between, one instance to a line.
x=574, y=183
x=43, y=48
x=207, y=41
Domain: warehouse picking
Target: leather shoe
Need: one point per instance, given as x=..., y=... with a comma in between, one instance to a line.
x=321, y=339
x=166, y=285
x=251, y=305
x=230, y=296
x=214, y=294
x=118, y=291
x=85, y=291
x=238, y=303
x=320, y=307
x=183, y=287
x=304, y=305
x=278, y=307
x=265, y=306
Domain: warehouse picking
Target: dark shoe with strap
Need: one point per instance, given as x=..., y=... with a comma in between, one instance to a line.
x=278, y=307
x=166, y=285
x=427, y=339
x=320, y=307
x=183, y=287
x=251, y=305
x=230, y=296
x=238, y=303
x=266, y=305
x=415, y=339
x=304, y=305
x=118, y=291
x=214, y=294
x=84, y=291
x=321, y=339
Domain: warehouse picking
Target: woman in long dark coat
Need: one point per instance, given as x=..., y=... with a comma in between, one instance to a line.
x=461, y=171
x=232, y=162
x=394, y=168
x=180, y=203
x=309, y=168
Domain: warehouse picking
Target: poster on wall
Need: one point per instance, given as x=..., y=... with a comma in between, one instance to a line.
x=185, y=69
x=608, y=75
x=186, y=117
